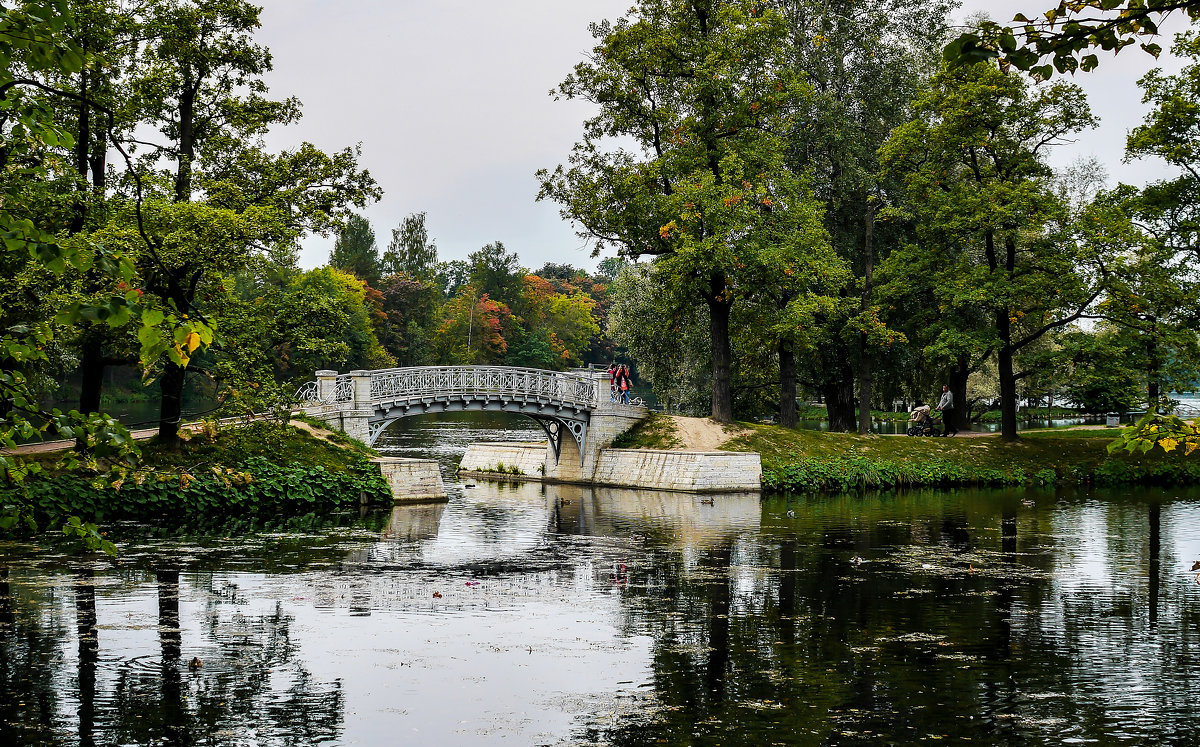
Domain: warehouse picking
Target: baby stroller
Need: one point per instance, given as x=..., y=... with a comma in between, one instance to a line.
x=921, y=423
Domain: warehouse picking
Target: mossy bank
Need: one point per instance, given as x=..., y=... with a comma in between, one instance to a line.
x=263, y=474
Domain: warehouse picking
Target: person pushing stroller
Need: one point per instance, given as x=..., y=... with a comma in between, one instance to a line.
x=922, y=422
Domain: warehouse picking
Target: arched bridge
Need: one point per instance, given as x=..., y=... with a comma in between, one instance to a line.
x=364, y=403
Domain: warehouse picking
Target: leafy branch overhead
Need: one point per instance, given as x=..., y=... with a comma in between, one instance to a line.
x=1065, y=37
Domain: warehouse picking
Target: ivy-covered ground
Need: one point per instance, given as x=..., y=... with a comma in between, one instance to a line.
x=262, y=474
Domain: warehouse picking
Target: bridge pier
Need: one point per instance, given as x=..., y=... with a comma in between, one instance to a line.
x=608, y=420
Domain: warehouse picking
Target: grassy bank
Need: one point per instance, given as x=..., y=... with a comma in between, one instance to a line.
x=810, y=460
x=264, y=473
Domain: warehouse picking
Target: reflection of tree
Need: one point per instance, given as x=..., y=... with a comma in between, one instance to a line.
x=89, y=649
x=6, y=604
x=250, y=681
x=1155, y=552
x=865, y=620
x=29, y=649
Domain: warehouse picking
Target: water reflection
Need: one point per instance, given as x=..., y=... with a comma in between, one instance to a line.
x=562, y=615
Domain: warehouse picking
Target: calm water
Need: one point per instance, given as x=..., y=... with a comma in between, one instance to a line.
x=523, y=614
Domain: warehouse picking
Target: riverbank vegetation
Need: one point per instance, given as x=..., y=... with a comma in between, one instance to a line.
x=263, y=473
x=799, y=461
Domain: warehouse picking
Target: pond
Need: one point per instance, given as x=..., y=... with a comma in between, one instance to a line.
x=529, y=614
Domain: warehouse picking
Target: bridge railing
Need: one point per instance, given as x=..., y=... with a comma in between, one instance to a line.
x=502, y=381
x=310, y=392
x=458, y=381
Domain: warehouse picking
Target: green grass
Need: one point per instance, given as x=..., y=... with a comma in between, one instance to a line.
x=811, y=460
x=275, y=442
x=655, y=432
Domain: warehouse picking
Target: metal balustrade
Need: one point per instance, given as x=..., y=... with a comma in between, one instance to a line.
x=462, y=382
x=310, y=392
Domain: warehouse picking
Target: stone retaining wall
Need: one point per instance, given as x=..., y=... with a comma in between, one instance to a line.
x=688, y=471
x=528, y=458
x=412, y=480
x=691, y=471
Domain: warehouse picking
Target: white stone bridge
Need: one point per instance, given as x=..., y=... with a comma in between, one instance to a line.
x=576, y=403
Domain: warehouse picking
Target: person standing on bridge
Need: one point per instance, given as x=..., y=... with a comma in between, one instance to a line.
x=624, y=383
x=612, y=382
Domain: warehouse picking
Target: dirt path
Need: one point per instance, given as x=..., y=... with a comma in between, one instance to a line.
x=143, y=434
x=703, y=434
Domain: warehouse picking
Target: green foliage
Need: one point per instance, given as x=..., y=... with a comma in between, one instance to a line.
x=411, y=252
x=269, y=489
x=1062, y=38
x=993, y=235
x=495, y=272
x=259, y=471
x=666, y=335
x=811, y=460
x=705, y=92
x=1103, y=374
x=355, y=252
x=410, y=308
x=1166, y=431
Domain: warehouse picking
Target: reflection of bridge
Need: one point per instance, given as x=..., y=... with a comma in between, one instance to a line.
x=364, y=403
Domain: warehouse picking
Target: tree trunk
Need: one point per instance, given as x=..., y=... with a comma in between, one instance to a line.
x=839, y=402
x=91, y=378
x=187, y=142
x=1008, y=395
x=958, y=387
x=1153, y=364
x=171, y=384
x=718, y=312
x=787, y=386
x=866, y=380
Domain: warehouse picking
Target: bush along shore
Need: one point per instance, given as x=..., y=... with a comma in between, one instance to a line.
x=264, y=474
x=809, y=461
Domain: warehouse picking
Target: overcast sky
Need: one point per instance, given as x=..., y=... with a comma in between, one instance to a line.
x=449, y=100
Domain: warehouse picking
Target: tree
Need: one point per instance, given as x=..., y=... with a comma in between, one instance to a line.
x=1101, y=377
x=1059, y=38
x=410, y=307
x=1151, y=297
x=35, y=51
x=493, y=271
x=981, y=191
x=558, y=327
x=472, y=330
x=354, y=250
x=666, y=335
x=198, y=80
x=866, y=63
x=1170, y=209
x=411, y=251
x=702, y=88
x=452, y=276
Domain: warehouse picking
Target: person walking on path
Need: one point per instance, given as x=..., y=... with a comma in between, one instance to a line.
x=946, y=405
